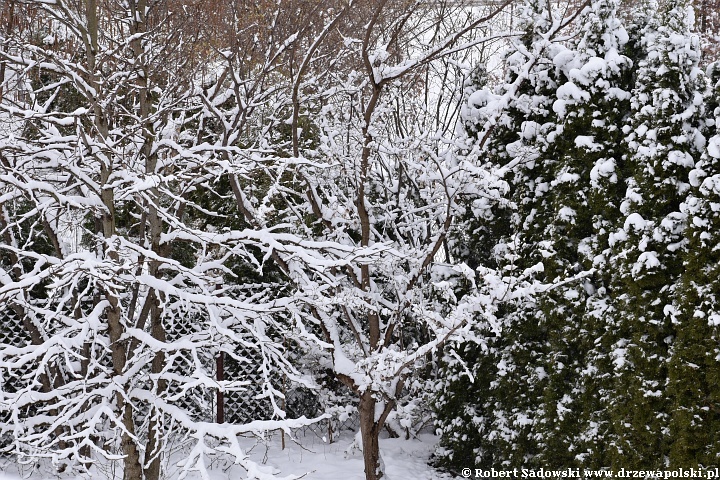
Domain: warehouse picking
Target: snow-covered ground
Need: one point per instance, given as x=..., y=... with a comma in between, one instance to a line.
x=317, y=460
x=404, y=459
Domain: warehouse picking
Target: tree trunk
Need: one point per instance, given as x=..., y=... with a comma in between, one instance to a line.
x=132, y=465
x=369, y=431
x=153, y=454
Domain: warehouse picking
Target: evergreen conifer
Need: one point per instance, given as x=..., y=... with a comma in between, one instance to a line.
x=662, y=139
x=694, y=372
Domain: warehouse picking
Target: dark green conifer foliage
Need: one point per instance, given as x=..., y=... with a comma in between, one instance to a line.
x=466, y=400
x=491, y=417
x=463, y=408
x=463, y=403
x=608, y=177
x=649, y=244
x=517, y=425
x=694, y=370
x=585, y=200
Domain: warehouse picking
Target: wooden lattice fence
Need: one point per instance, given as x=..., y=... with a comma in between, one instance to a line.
x=202, y=403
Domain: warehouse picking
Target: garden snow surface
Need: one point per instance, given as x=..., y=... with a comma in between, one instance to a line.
x=308, y=456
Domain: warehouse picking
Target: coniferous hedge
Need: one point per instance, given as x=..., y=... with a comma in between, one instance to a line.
x=613, y=158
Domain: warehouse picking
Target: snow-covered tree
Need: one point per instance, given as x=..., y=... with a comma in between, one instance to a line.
x=584, y=198
x=304, y=155
x=381, y=176
x=591, y=367
x=664, y=143
x=103, y=253
x=463, y=399
x=517, y=425
x=499, y=390
x=693, y=368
